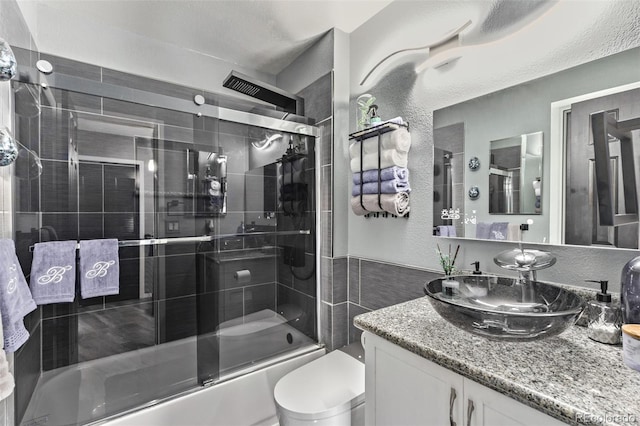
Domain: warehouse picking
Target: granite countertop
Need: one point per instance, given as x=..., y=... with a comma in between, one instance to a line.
x=569, y=377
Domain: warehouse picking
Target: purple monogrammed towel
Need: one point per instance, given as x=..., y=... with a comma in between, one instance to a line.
x=15, y=298
x=53, y=272
x=99, y=268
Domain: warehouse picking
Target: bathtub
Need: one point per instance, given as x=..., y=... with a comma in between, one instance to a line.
x=158, y=385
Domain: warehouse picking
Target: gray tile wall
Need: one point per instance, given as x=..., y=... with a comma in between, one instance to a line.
x=319, y=98
x=375, y=285
x=54, y=343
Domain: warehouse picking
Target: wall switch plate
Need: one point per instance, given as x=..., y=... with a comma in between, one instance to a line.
x=172, y=226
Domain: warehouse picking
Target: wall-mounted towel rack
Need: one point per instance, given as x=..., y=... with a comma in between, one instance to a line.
x=377, y=130
x=360, y=136
x=199, y=239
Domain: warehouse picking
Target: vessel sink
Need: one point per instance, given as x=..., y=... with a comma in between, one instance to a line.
x=505, y=308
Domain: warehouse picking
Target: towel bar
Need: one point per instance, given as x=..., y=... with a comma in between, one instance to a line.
x=198, y=239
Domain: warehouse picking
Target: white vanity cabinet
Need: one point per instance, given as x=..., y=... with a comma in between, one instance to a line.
x=403, y=388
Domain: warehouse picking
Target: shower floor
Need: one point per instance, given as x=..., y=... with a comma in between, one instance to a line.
x=115, y=331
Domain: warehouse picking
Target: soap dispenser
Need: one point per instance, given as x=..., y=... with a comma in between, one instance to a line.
x=477, y=271
x=604, y=317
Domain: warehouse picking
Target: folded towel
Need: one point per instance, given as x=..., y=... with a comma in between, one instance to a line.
x=388, y=158
x=6, y=378
x=99, y=268
x=498, y=231
x=386, y=187
x=53, y=272
x=293, y=188
x=451, y=230
x=289, y=178
x=15, y=298
x=397, y=204
x=395, y=120
x=483, y=230
x=395, y=172
x=443, y=231
x=293, y=192
x=400, y=140
x=299, y=164
x=293, y=207
x=15, y=335
x=513, y=232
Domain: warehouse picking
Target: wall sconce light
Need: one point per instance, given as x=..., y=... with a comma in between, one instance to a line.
x=266, y=142
x=446, y=42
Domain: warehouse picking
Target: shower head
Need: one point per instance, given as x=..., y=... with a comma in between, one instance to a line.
x=265, y=92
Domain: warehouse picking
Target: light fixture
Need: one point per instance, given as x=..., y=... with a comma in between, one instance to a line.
x=8, y=64
x=441, y=58
x=8, y=147
x=266, y=142
x=443, y=43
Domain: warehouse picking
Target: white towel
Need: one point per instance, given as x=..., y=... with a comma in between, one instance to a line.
x=388, y=158
x=397, y=204
x=400, y=140
x=513, y=232
x=6, y=378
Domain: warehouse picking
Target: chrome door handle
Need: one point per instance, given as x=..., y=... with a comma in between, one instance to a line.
x=470, y=409
x=452, y=400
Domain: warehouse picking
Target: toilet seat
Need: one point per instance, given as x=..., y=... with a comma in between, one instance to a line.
x=325, y=387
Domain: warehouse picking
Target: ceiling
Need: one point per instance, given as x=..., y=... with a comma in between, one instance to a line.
x=266, y=35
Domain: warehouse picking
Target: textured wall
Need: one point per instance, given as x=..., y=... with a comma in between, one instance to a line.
x=127, y=51
x=415, y=97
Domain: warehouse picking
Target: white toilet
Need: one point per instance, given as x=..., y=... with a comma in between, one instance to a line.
x=326, y=391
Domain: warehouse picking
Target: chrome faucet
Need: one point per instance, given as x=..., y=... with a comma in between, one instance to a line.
x=525, y=261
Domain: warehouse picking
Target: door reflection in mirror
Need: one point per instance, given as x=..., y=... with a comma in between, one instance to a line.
x=448, y=181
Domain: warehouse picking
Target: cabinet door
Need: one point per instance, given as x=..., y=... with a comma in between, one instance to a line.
x=486, y=407
x=405, y=389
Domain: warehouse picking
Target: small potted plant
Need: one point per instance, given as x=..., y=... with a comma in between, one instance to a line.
x=450, y=286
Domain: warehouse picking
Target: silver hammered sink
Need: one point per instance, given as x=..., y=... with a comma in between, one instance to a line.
x=505, y=308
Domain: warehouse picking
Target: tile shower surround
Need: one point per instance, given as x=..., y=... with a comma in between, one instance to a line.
x=98, y=204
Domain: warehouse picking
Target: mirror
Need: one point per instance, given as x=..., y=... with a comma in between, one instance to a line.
x=477, y=128
x=515, y=175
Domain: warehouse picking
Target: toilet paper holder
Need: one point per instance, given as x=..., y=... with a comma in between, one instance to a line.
x=242, y=276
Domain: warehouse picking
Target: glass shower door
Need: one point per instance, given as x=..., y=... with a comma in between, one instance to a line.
x=257, y=286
